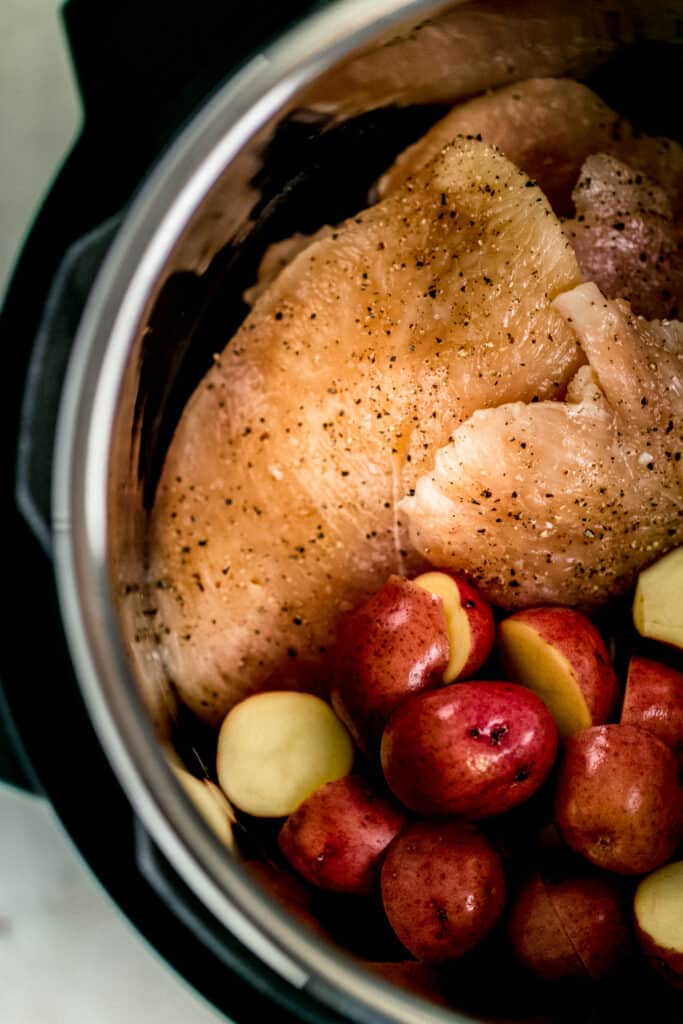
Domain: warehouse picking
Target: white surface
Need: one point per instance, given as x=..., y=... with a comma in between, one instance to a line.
x=67, y=956
x=39, y=115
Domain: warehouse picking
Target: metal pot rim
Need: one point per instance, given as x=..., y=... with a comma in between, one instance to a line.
x=87, y=414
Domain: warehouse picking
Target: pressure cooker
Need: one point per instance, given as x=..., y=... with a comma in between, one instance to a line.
x=211, y=130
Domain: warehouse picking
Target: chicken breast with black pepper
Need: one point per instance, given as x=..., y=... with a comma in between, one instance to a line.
x=564, y=502
x=548, y=127
x=278, y=506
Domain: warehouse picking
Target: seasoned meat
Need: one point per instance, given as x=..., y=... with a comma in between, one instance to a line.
x=276, y=258
x=278, y=504
x=563, y=502
x=548, y=126
x=474, y=46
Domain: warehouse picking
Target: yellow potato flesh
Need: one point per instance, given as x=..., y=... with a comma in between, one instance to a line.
x=531, y=661
x=658, y=906
x=658, y=602
x=211, y=804
x=457, y=625
x=276, y=748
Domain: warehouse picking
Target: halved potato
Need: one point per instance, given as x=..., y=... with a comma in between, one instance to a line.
x=276, y=748
x=210, y=802
x=658, y=908
x=658, y=602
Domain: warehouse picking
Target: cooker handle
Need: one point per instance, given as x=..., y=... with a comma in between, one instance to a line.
x=47, y=368
x=32, y=482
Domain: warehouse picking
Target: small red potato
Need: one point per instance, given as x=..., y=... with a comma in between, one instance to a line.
x=539, y=941
x=443, y=889
x=337, y=837
x=578, y=926
x=559, y=654
x=595, y=915
x=654, y=701
x=619, y=800
x=470, y=750
x=658, y=910
x=394, y=645
x=469, y=620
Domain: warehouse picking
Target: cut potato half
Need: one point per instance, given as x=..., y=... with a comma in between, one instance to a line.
x=211, y=804
x=530, y=660
x=658, y=602
x=658, y=907
x=278, y=747
x=560, y=655
x=469, y=622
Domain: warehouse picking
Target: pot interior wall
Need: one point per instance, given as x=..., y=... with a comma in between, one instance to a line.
x=315, y=164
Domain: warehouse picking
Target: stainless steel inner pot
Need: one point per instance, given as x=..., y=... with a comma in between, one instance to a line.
x=253, y=166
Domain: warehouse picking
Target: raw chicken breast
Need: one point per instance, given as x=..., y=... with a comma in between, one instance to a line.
x=563, y=502
x=625, y=237
x=547, y=127
x=276, y=258
x=473, y=46
x=277, y=507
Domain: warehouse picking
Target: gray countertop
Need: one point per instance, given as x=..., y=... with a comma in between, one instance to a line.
x=67, y=955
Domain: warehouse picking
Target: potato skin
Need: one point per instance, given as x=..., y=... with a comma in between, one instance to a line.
x=443, y=888
x=469, y=750
x=571, y=924
x=393, y=645
x=337, y=837
x=595, y=915
x=537, y=937
x=654, y=700
x=619, y=799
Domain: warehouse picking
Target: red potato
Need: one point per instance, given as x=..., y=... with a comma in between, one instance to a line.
x=596, y=915
x=658, y=911
x=393, y=645
x=539, y=941
x=337, y=837
x=472, y=749
x=469, y=620
x=654, y=700
x=577, y=926
x=443, y=889
x=559, y=654
x=619, y=800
